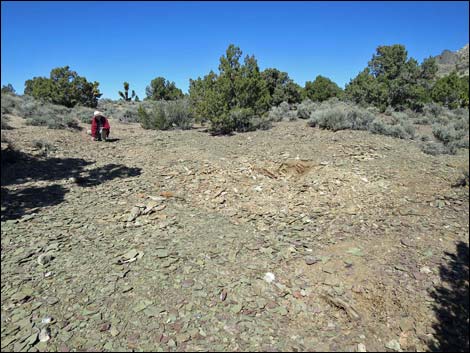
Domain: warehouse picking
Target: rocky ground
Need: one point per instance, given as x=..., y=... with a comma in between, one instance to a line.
x=289, y=239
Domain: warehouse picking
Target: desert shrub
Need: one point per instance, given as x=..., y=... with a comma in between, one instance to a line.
x=4, y=122
x=389, y=110
x=332, y=119
x=399, y=131
x=425, y=138
x=41, y=113
x=6, y=110
x=402, y=130
x=10, y=104
x=282, y=112
x=83, y=114
x=448, y=134
x=378, y=127
x=436, y=148
x=179, y=114
x=28, y=108
x=153, y=119
x=104, y=101
x=52, y=116
x=461, y=124
x=241, y=119
x=433, y=110
x=373, y=110
x=44, y=146
x=397, y=117
x=261, y=123
x=275, y=114
x=53, y=123
x=165, y=115
x=461, y=112
x=409, y=129
x=341, y=118
x=129, y=116
x=424, y=120
x=461, y=143
x=8, y=89
x=306, y=109
x=127, y=113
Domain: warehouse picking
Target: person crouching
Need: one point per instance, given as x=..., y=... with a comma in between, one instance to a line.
x=99, y=127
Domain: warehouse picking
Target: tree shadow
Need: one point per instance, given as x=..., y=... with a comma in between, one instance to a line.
x=100, y=175
x=17, y=203
x=452, y=303
x=19, y=168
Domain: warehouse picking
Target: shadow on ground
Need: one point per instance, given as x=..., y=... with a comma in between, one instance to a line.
x=108, y=172
x=19, y=168
x=24, y=201
x=452, y=303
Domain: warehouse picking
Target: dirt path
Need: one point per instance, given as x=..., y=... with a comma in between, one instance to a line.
x=354, y=227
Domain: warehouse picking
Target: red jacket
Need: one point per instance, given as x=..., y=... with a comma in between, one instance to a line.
x=95, y=123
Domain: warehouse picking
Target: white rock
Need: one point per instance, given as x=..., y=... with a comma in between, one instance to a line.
x=46, y=320
x=44, y=335
x=361, y=347
x=425, y=269
x=269, y=277
x=393, y=345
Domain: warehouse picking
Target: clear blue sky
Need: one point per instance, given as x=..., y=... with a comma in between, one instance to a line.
x=112, y=42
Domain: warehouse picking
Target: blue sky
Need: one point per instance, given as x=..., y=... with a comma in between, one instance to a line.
x=113, y=42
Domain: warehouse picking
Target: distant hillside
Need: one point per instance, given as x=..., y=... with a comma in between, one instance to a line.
x=449, y=61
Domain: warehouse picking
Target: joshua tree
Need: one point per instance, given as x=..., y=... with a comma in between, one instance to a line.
x=125, y=95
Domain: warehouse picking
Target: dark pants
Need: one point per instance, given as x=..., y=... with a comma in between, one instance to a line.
x=103, y=135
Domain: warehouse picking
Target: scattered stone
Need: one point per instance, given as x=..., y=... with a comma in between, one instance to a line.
x=355, y=252
x=406, y=324
x=105, y=327
x=223, y=295
x=166, y=194
x=348, y=308
x=187, y=283
x=142, y=305
x=406, y=242
x=47, y=320
x=33, y=338
x=310, y=260
x=114, y=331
x=23, y=295
x=52, y=300
x=425, y=269
x=236, y=308
x=393, y=345
x=46, y=258
x=269, y=277
x=162, y=253
x=44, y=334
x=361, y=347
x=150, y=206
x=135, y=212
